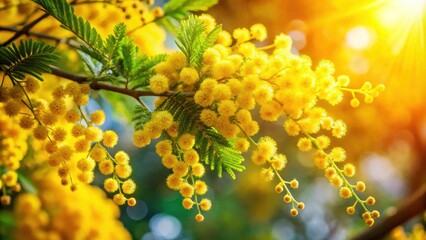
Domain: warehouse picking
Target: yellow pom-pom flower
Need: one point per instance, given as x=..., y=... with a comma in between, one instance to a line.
x=163, y=148
x=242, y=144
x=123, y=171
x=349, y=170
x=345, y=192
x=122, y=158
x=169, y=160
x=128, y=186
x=106, y=167
x=141, y=138
x=205, y=204
x=187, y=203
x=111, y=185
x=200, y=187
x=304, y=144
x=159, y=84
x=110, y=138
x=258, y=32
x=86, y=164
x=186, y=190
x=189, y=75
x=198, y=170
x=191, y=157
x=186, y=141
x=174, y=181
x=338, y=154
x=180, y=168
x=208, y=117
x=98, y=117
x=119, y=199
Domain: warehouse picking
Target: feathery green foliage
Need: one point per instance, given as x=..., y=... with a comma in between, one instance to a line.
x=193, y=41
x=118, y=53
x=144, y=69
x=64, y=13
x=134, y=67
x=141, y=116
x=213, y=148
x=177, y=10
x=113, y=40
x=30, y=57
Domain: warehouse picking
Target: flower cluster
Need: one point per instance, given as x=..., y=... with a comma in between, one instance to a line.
x=178, y=154
x=74, y=142
x=13, y=145
x=46, y=216
x=230, y=84
x=236, y=78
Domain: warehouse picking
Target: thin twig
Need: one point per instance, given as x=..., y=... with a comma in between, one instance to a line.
x=70, y=42
x=414, y=205
x=104, y=86
x=25, y=29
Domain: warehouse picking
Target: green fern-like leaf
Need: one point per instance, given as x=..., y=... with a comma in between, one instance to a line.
x=113, y=41
x=214, y=149
x=141, y=116
x=128, y=54
x=177, y=10
x=136, y=68
x=30, y=57
x=64, y=13
x=193, y=41
x=144, y=69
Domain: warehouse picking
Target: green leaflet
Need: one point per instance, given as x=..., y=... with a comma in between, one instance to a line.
x=141, y=116
x=213, y=148
x=136, y=68
x=193, y=41
x=117, y=57
x=30, y=57
x=177, y=10
x=113, y=40
x=188, y=5
x=64, y=13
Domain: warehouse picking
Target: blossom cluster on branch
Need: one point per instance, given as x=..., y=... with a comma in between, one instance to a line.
x=208, y=95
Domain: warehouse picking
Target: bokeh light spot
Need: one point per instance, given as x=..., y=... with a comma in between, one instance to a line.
x=358, y=38
x=165, y=226
x=137, y=212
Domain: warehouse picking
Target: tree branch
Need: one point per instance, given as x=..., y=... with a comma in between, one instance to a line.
x=25, y=29
x=108, y=87
x=68, y=41
x=414, y=205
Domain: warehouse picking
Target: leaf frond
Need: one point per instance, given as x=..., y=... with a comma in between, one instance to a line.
x=213, y=148
x=64, y=13
x=29, y=57
x=141, y=115
x=193, y=41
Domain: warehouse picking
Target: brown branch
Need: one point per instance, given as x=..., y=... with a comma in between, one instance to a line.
x=414, y=205
x=25, y=29
x=70, y=42
x=108, y=87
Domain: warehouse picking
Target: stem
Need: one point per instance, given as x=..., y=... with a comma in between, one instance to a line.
x=25, y=29
x=2, y=80
x=83, y=116
x=70, y=42
x=247, y=136
x=333, y=164
x=103, y=86
x=195, y=195
x=285, y=187
x=412, y=206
